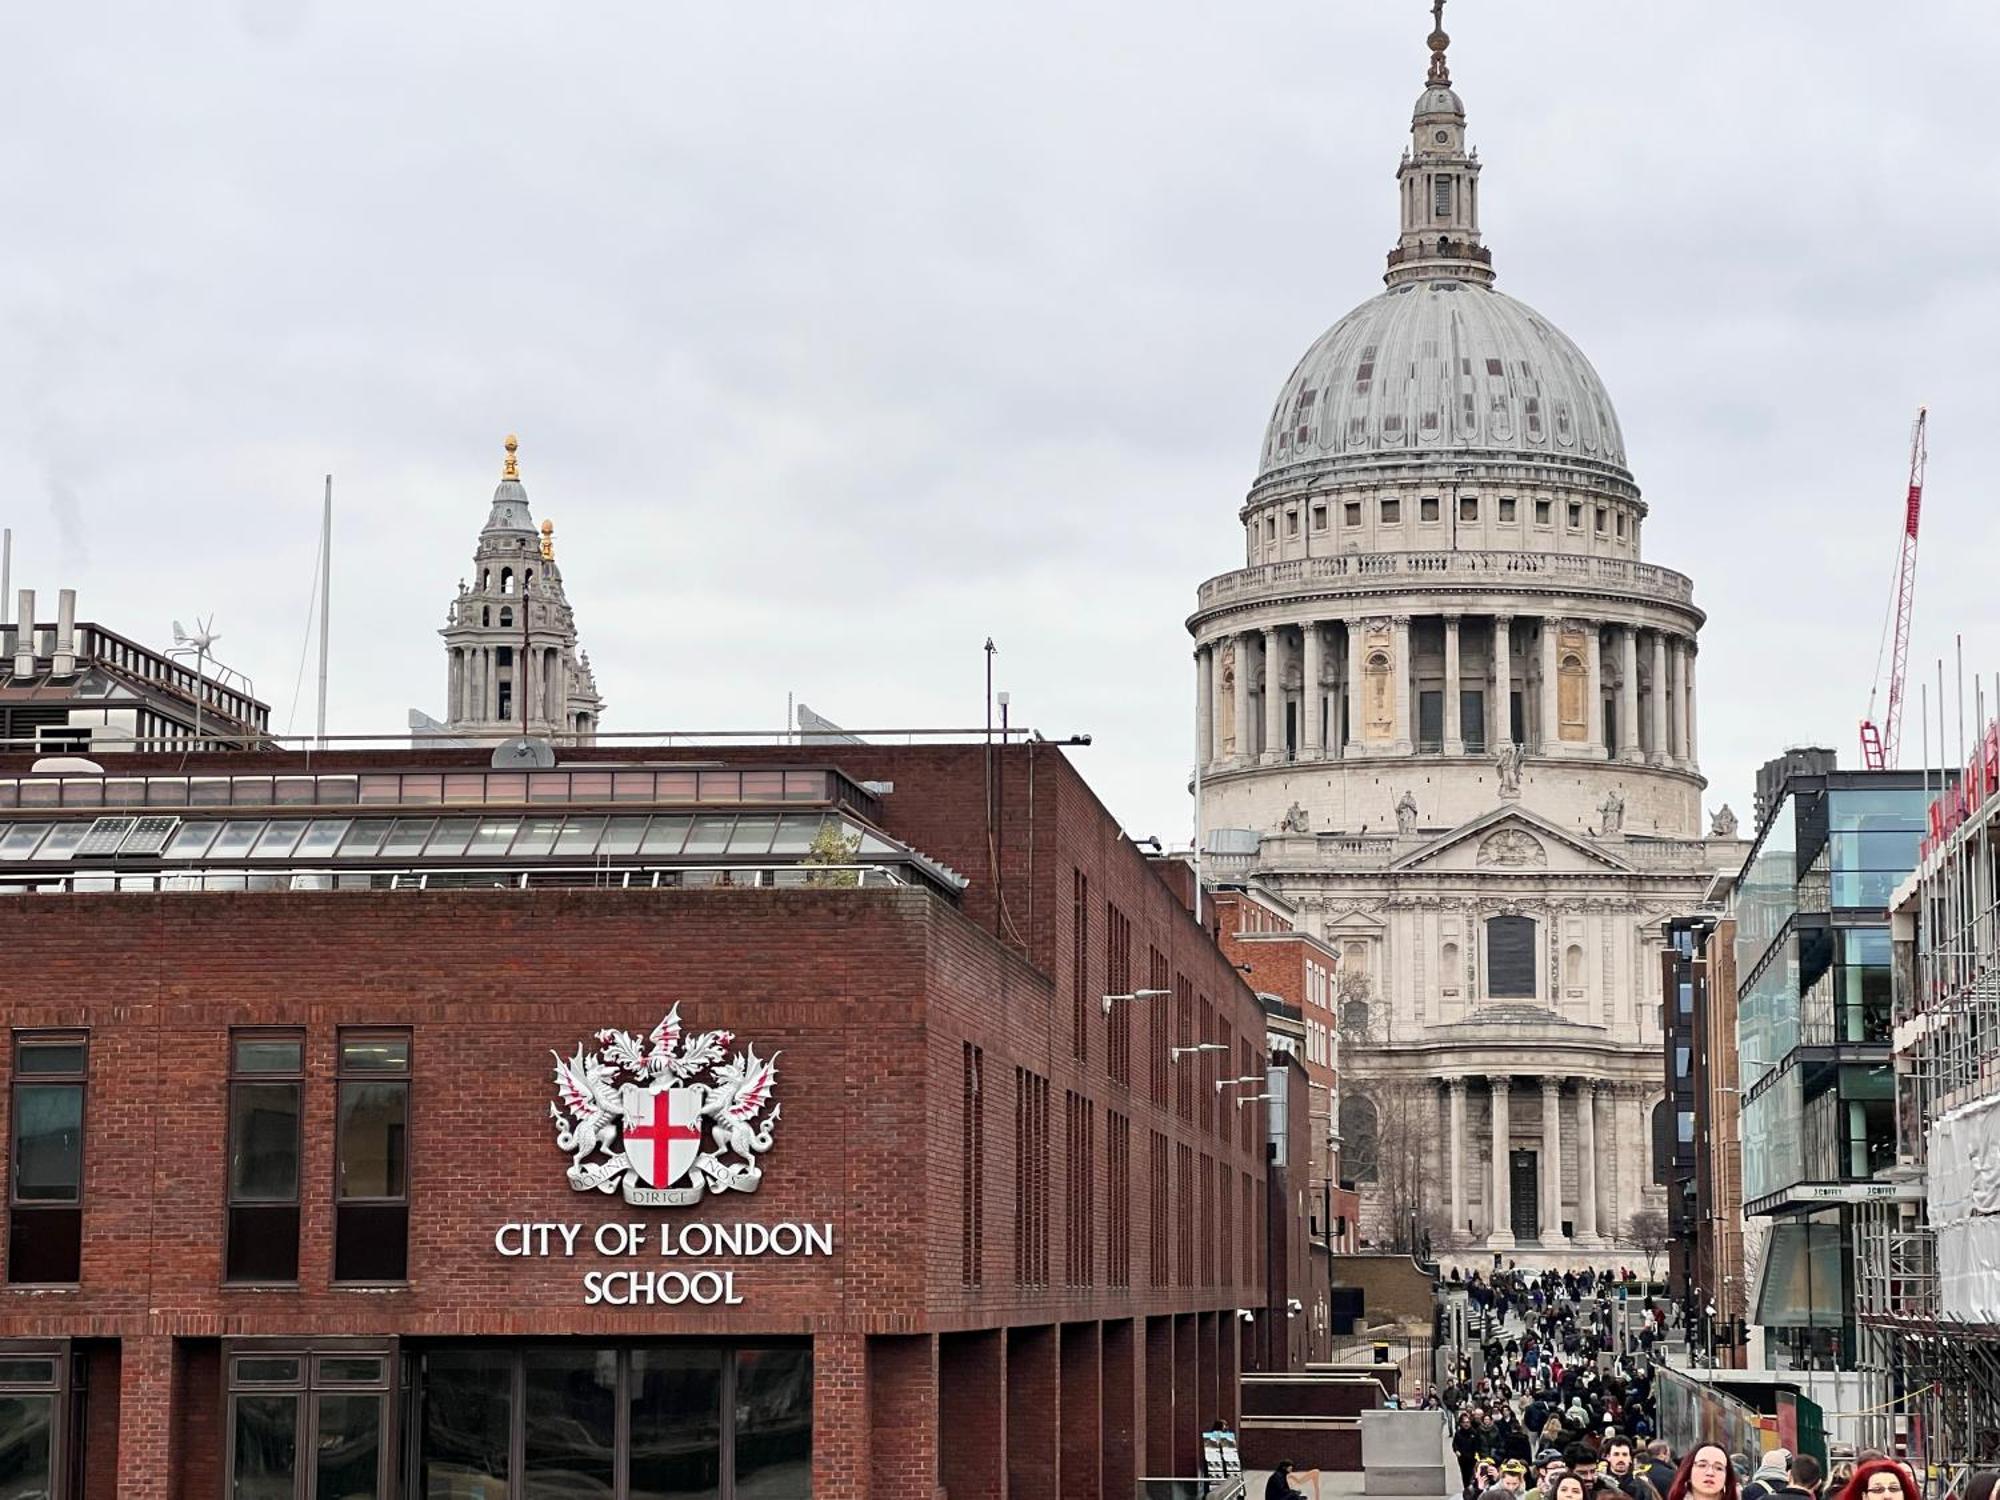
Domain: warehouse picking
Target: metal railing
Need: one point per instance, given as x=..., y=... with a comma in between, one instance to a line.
x=408, y=878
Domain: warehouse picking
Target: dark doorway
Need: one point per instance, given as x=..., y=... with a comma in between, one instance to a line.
x=1472, y=720
x=1517, y=719
x=1524, y=1184
x=1291, y=731
x=1430, y=721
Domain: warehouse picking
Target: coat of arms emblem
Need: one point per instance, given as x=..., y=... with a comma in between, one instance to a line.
x=665, y=1118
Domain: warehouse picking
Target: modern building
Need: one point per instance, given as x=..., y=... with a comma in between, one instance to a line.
x=71, y=687
x=1813, y=1033
x=1705, y=1241
x=1928, y=1258
x=1295, y=974
x=512, y=663
x=663, y=1121
x=1445, y=712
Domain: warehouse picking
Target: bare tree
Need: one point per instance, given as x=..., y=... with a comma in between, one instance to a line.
x=1390, y=1131
x=1648, y=1230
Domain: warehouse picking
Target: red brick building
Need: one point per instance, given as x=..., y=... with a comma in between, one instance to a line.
x=287, y=1215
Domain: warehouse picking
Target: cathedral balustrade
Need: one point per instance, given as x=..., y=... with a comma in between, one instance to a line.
x=1619, y=575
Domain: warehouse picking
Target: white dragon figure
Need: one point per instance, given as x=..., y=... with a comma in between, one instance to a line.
x=591, y=1109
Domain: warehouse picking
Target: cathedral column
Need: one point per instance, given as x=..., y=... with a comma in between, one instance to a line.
x=1662, y=746
x=1454, y=731
x=1356, y=672
x=1593, y=691
x=1551, y=726
x=1455, y=1090
x=1311, y=697
x=1405, y=733
x=1246, y=732
x=1678, y=659
x=1500, y=1234
x=1628, y=697
x=1204, y=702
x=1552, y=1180
x=1687, y=684
x=1500, y=713
x=1274, y=697
x=1586, y=1163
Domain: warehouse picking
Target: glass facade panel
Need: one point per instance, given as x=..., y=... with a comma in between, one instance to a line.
x=278, y=837
x=323, y=837
x=774, y=1423
x=493, y=837
x=347, y=1452
x=1773, y=1151
x=191, y=841
x=467, y=1425
x=752, y=836
x=579, y=837
x=710, y=835
x=235, y=839
x=622, y=836
x=537, y=836
x=796, y=832
x=364, y=838
x=20, y=840
x=665, y=836
x=451, y=837
x=1767, y=1015
x=267, y=1447
x=570, y=1406
x=1768, y=896
x=26, y=1447
x=406, y=838
x=676, y=1423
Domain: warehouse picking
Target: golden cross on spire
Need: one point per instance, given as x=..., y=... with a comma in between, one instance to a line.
x=1440, y=74
x=511, y=469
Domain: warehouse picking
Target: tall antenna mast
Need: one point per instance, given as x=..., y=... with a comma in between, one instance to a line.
x=325, y=585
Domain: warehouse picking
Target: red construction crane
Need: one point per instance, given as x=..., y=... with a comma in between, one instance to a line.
x=1879, y=745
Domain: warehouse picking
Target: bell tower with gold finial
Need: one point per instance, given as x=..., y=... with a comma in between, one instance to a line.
x=511, y=657
x=1439, y=183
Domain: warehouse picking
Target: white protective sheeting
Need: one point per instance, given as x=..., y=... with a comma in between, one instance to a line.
x=1965, y=1211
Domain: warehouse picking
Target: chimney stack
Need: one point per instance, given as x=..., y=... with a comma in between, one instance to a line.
x=65, y=652
x=24, y=635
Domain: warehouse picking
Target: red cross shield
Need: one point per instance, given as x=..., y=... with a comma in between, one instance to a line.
x=662, y=1133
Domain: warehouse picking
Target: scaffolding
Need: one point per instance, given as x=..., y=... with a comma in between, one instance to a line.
x=1942, y=1366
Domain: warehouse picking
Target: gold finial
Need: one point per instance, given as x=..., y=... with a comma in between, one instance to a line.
x=548, y=540
x=511, y=469
x=1440, y=74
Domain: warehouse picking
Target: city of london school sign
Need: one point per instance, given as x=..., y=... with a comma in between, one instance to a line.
x=664, y=1120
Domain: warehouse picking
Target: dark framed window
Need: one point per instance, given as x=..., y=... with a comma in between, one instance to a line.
x=310, y=1422
x=371, y=1210
x=45, y=1158
x=1510, y=958
x=41, y=1418
x=681, y=1418
x=266, y=1098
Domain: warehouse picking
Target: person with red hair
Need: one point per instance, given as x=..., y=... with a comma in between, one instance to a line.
x=1881, y=1479
x=1705, y=1475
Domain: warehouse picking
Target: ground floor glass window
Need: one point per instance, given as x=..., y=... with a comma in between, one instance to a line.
x=674, y=1420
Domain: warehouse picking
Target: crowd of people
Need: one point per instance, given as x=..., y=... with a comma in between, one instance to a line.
x=1558, y=1405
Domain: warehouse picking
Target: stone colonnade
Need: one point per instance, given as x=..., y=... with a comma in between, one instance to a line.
x=476, y=675
x=1610, y=1124
x=1445, y=684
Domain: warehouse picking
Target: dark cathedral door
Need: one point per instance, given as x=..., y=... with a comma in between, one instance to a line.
x=1523, y=1183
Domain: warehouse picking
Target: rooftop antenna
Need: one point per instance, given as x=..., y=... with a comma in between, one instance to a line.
x=325, y=585
x=196, y=644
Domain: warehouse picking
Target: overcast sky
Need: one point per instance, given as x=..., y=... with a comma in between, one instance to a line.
x=840, y=337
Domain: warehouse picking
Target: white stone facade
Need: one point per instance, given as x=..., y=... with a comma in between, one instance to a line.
x=1447, y=712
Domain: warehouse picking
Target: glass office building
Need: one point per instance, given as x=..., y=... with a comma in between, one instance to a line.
x=1813, y=1028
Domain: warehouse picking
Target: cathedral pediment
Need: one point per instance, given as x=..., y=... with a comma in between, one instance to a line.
x=1512, y=841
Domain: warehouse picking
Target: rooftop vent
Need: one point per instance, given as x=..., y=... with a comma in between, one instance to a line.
x=523, y=752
